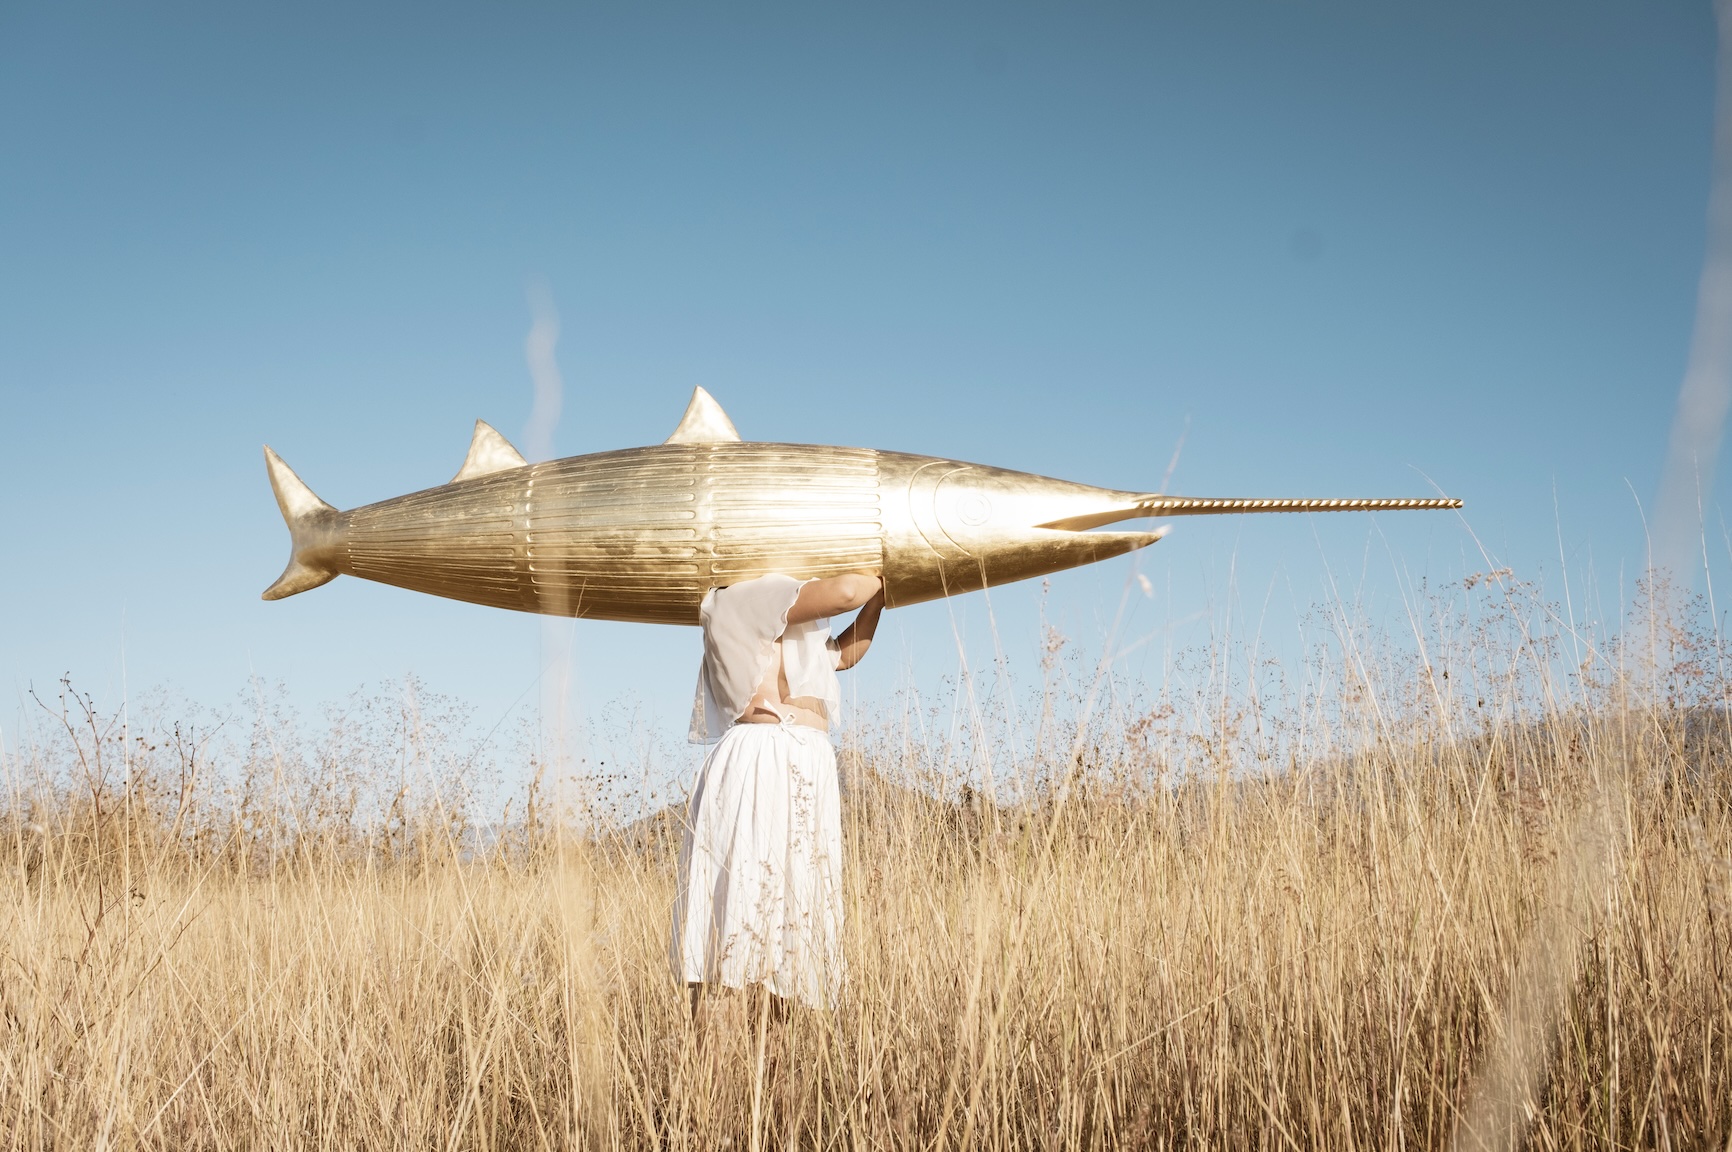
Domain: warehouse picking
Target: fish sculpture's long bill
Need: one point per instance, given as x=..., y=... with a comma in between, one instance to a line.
x=641, y=534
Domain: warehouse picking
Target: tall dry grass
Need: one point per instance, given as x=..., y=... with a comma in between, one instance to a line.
x=1471, y=886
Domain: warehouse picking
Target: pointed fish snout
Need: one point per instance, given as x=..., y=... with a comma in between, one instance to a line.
x=961, y=527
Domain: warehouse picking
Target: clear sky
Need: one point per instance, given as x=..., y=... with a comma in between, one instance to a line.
x=1343, y=249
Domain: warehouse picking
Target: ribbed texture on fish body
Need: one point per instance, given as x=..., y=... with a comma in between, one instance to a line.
x=639, y=534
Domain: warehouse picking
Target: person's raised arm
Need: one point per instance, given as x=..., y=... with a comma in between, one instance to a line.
x=854, y=641
x=832, y=596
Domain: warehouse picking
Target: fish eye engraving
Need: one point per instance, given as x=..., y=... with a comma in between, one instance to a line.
x=973, y=509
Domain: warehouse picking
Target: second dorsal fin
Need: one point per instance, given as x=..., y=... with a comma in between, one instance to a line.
x=704, y=422
x=489, y=452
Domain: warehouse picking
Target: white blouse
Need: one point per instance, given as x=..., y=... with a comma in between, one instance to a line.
x=745, y=628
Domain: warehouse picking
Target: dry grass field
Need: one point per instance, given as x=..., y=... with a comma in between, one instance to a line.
x=1468, y=887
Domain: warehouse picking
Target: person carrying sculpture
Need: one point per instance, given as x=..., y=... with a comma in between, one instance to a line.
x=759, y=897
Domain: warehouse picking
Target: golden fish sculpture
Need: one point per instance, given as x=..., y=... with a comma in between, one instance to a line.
x=641, y=534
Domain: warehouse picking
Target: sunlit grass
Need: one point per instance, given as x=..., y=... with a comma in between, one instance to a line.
x=1262, y=907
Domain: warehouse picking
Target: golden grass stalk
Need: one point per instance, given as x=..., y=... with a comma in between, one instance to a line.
x=1282, y=913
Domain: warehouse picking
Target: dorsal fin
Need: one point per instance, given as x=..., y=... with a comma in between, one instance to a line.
x=704, y=422
x=489, y=452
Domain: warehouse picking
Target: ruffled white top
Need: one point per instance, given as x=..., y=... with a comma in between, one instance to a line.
x=745, y=630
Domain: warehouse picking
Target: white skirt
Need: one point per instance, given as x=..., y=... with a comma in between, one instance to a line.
x=760, y=872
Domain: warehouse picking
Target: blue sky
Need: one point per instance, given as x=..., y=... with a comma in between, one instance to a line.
x=1343, y=249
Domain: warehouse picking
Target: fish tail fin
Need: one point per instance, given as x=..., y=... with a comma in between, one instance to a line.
x=310, y=529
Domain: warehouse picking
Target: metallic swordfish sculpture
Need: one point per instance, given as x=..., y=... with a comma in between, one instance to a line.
x=642, y=533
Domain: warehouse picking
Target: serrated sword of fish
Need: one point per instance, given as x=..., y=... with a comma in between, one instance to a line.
x=642, y=533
